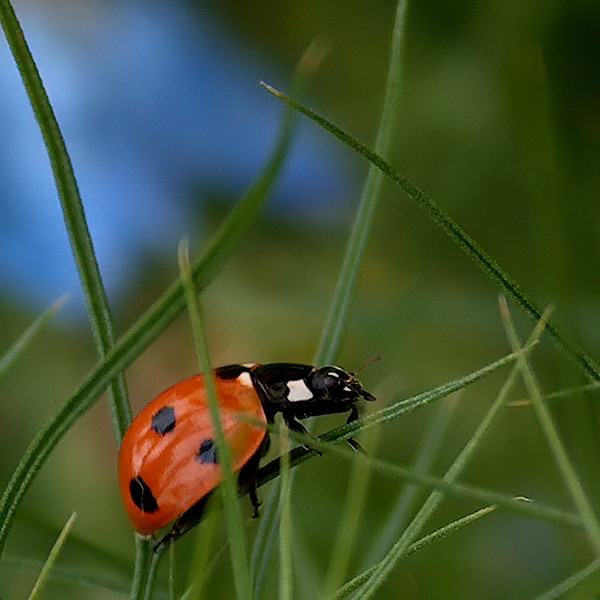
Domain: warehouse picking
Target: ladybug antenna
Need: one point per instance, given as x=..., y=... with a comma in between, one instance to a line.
x=366, y=363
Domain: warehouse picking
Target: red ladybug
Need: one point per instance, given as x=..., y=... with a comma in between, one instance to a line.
x=168, y=461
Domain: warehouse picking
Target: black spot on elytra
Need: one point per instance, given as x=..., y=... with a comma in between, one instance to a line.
x=142, y=496
x=164, y=420
x=207, y=453
x=231, y=371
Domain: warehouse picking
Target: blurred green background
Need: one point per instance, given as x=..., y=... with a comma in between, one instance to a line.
x=500, y=124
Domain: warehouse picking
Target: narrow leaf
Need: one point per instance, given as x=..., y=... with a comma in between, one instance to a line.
x=233, y=512
x=569, y=475
x=52, y=558
x=11, y=355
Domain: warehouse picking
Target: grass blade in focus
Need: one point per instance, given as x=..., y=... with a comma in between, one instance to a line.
x=72, y=209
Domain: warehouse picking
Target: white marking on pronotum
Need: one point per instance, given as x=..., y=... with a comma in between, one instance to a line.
x=245, y=379
x=298, y=391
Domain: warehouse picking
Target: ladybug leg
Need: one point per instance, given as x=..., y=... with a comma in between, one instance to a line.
x=188, y=519
x=254, y=499
x=353, y=416
x=299, y=428
x=247, y=476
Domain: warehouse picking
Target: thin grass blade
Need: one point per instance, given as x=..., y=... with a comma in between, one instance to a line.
x=143, y=557
x=72, y=209
x=52, y=558
x=19, y=346
x=564, y=587
x=354, y=584
x=337, y=318
x=398, y=551
x=228, y=486
x=285, y=524
x=75, y=577
x=520, y=505
x=425, y=456
x=569, y=475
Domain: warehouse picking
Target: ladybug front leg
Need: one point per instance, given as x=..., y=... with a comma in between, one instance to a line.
x=353, y=416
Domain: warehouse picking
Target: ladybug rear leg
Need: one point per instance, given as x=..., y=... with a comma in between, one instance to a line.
x=188, y=519
x=353, y=416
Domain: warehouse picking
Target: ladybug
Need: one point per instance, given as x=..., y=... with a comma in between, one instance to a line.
x=168, y=460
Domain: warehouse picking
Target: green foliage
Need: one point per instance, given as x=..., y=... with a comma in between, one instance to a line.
x=383, y=561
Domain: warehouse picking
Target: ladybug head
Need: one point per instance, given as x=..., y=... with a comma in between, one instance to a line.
x=333, y=383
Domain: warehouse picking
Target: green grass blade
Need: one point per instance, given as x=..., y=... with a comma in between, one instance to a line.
x=204, y=552
x=425, y=457
x=298, y=455
x=516, y=504
x=337, y=319
x=285, y=524
x=172, y=572
x=351, y=513
x=72, y=208
x=71, y=576
x=228, y=487
x=264, y=540
x=568, y=584
x=52, y=558
x=398, y=551
x=561, y=394
x=358, y=581
x=148, y=590
x=336, y=323
x=143, y=556
x=458, y=235
x=11, y=355
x=144, y=331
x=569, y=475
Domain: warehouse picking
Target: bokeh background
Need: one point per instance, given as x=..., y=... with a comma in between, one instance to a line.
x=166, y=124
